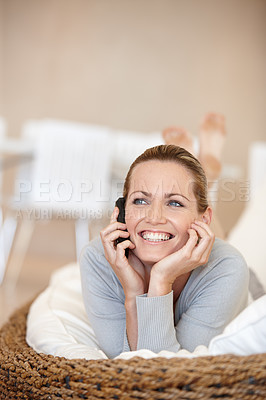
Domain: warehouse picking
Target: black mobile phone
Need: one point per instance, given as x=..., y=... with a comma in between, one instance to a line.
x=120, y=203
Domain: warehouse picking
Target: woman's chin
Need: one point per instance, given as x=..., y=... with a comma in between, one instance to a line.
x=151, y=257
x=150, y=253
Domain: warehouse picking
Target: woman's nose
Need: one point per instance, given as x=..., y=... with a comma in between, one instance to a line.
x=155, y=214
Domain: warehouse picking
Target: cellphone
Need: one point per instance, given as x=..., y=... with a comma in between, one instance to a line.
x=120, y=203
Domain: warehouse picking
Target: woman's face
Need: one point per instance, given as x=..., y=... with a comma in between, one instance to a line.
x=160, y=208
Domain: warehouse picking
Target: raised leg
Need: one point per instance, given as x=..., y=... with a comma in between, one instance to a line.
x=179, y=136
x=212, y=137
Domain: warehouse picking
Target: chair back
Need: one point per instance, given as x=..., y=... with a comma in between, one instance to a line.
x=71, y=169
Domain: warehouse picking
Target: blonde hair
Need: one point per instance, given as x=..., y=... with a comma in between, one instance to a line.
x=169, y=152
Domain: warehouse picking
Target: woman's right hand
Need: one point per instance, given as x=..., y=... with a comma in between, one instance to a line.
x=130, y=272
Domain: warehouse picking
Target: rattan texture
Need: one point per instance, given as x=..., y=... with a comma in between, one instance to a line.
x=25, y=374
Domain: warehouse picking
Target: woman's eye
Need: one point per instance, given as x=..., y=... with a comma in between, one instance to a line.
x=139, y=201
x=175, y=203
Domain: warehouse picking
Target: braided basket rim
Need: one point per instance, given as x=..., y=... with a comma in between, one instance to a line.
x=26, y=374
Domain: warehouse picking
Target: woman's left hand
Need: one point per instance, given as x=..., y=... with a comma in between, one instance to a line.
x=194, y=253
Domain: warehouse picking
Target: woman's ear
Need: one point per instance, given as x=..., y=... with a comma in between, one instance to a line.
x=207, y=216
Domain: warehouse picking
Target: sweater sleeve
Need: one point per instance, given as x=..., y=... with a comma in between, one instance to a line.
x=210, y=302
x=104, y=301
x=156, y=329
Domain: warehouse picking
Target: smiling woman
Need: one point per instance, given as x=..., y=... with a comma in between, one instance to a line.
x=162, y=209
x=179, y=286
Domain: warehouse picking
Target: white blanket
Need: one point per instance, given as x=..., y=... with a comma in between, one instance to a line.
x=58, y=325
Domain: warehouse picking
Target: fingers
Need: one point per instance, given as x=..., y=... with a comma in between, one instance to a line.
x=187, y=250
x=120, y=250
x=205, y=241
x=200, y=242
x=111, y=233
x=205, y=234
x=114, y=215
x=192, y=241
x=202, y=228
x=114, y=225
x=108, y=236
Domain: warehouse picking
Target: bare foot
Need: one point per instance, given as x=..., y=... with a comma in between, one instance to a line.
x=179, y=136
x=212, y=137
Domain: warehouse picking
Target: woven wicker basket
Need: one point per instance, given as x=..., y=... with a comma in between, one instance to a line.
x=24, y=374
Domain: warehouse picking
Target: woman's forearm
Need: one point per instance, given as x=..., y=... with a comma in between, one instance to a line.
x=131, y=323
x=150, y=323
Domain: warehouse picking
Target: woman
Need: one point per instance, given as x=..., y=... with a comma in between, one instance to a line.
x=179, y=287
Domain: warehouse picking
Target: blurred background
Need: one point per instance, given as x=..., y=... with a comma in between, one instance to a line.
x=133, y=67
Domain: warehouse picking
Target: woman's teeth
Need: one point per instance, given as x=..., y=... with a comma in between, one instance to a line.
x=156, y=236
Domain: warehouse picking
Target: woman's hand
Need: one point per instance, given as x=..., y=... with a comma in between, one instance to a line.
x=194, y=253
x=130, y=272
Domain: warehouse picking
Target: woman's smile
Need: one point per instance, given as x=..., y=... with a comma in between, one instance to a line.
x=155, y=237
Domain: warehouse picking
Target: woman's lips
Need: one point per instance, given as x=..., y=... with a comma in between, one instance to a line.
x=152, y=236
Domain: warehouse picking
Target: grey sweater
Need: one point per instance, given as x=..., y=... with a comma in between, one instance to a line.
x=213, y=295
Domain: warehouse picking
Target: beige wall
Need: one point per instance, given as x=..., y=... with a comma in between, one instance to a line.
x=139, y=65
x=1, y=57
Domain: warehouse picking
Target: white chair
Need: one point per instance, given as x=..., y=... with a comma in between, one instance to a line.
x=69, y=178
x=14, y=152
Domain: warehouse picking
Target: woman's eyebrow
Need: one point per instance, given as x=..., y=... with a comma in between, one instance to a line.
x=141, y=191
x=167, y=195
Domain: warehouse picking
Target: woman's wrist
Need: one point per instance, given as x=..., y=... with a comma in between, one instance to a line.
x=130, y=303
x=158, y=286
x=131, y=294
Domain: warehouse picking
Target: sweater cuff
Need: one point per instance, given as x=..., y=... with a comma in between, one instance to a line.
x=156, y=329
